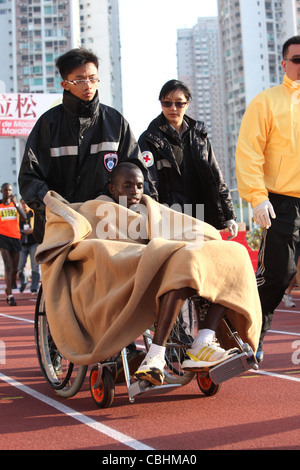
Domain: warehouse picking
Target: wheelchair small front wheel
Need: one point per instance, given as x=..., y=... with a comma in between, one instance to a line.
x=103, y=393
x=206, y=385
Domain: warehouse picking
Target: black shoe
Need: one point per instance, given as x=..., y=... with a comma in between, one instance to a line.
x=22, y=286
x=11, y=301
x=134, y=358
x=259, y=352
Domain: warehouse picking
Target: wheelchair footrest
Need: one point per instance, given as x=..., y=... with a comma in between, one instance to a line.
x=138, y=387
x=232, y=367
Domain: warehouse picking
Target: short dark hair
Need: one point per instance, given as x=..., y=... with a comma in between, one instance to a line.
x=173, y=85
x=288, y=43
x=5, y=184
x=123, y=166
x=74, y=58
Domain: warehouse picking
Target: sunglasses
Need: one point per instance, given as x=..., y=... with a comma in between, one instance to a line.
x=178, y=104
x=295, y=60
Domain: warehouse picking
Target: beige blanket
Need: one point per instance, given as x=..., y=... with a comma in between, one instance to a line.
x=101, y=294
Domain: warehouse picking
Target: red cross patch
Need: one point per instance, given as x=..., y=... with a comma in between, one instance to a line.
x=148, y=158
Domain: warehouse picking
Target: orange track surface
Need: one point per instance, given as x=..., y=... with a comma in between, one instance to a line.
x=253, y=411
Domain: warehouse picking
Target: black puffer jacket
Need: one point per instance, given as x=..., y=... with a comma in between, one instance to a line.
x=72, y=149
x=185, y=171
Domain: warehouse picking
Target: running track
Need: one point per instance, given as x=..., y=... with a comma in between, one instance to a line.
x=258, y=410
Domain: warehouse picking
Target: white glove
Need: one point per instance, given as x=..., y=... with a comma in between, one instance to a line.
x=233, y=228
x=261, y=214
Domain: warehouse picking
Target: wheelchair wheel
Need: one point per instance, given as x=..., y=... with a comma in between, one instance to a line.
x=65, y=378
x=103, y=394
x=206, y=385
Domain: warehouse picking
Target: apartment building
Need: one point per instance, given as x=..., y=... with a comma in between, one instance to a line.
x=99, y=31
x=200, y=67
x=252, y=33
x=33, y=33
x=228, y=60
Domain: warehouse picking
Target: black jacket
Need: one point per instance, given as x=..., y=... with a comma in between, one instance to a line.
x=72, y=149
x=185, y=171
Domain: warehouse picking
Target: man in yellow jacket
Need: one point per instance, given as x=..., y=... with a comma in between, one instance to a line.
x=268, y=176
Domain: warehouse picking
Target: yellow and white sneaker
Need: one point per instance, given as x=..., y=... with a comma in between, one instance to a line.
x=206, y=355
x=152, y=370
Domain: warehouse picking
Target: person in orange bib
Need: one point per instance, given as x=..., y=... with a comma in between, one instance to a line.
x=10, y=238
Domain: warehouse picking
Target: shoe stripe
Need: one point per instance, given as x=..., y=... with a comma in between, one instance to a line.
x=203, y=355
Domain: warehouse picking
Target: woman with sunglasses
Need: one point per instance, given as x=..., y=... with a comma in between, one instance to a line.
x=181, y=161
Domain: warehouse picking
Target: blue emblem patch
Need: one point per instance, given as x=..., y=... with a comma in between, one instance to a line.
x=110, y=161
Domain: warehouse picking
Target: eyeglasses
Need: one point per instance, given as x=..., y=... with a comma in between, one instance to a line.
x=83, y=82
x=178, y=104
x=295, y=60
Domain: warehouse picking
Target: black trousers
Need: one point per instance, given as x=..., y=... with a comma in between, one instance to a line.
x=276, y=257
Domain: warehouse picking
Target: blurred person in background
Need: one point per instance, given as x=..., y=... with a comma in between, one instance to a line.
x=10, y=239
x=29, y=246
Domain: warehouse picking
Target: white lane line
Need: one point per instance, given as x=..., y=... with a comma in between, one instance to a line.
x=284, y=332
x=16, y=318
x=32, y=321
x=258, y=371
x=287, y=311
x=116, y=435
x=279, y=376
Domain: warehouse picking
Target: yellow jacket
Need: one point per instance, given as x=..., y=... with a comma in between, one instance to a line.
x=268, y=147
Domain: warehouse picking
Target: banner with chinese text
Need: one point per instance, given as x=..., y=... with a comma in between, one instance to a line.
x=20, y=111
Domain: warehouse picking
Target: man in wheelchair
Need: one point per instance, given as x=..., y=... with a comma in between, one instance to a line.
x=127, y=181
x=109, y=273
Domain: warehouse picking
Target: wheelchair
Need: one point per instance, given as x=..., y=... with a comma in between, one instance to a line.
x=67, y=379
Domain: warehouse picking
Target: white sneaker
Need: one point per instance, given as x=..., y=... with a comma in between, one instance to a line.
x=152, y=370
x=288, y=301
x=206, y=355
